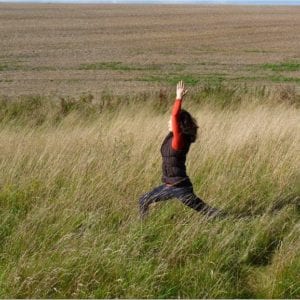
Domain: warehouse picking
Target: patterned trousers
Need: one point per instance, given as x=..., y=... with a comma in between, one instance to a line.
x=184, y=194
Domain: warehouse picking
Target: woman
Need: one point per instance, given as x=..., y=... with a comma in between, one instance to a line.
x=183, y=131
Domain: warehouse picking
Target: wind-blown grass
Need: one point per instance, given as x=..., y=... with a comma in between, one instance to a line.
x=72, y=172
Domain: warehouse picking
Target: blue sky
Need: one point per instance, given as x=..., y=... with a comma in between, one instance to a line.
x=268, y=2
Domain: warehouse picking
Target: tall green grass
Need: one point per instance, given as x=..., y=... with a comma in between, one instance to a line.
x=72, y=171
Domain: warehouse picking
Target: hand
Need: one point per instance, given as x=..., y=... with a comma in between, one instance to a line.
x=180, y=90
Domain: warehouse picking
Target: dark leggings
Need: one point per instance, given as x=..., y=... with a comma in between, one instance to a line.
x=184, y=194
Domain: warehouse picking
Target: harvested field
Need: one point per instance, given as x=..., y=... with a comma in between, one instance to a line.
x=61, y=49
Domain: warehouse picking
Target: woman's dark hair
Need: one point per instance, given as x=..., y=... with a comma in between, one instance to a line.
x=188, y=125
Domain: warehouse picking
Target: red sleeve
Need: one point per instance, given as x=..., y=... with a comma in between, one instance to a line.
x=177, y=141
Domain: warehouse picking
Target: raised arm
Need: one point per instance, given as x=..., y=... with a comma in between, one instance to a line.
x=177, y=141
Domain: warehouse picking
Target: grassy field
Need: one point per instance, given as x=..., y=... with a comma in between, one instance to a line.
x=85, y=97
x=72, y=172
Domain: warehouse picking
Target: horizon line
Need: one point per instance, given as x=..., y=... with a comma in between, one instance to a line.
x=200, y=2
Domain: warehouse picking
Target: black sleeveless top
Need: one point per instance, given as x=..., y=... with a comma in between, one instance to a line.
x=173, y=162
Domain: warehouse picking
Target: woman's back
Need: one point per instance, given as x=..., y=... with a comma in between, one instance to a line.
x=173, y=162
